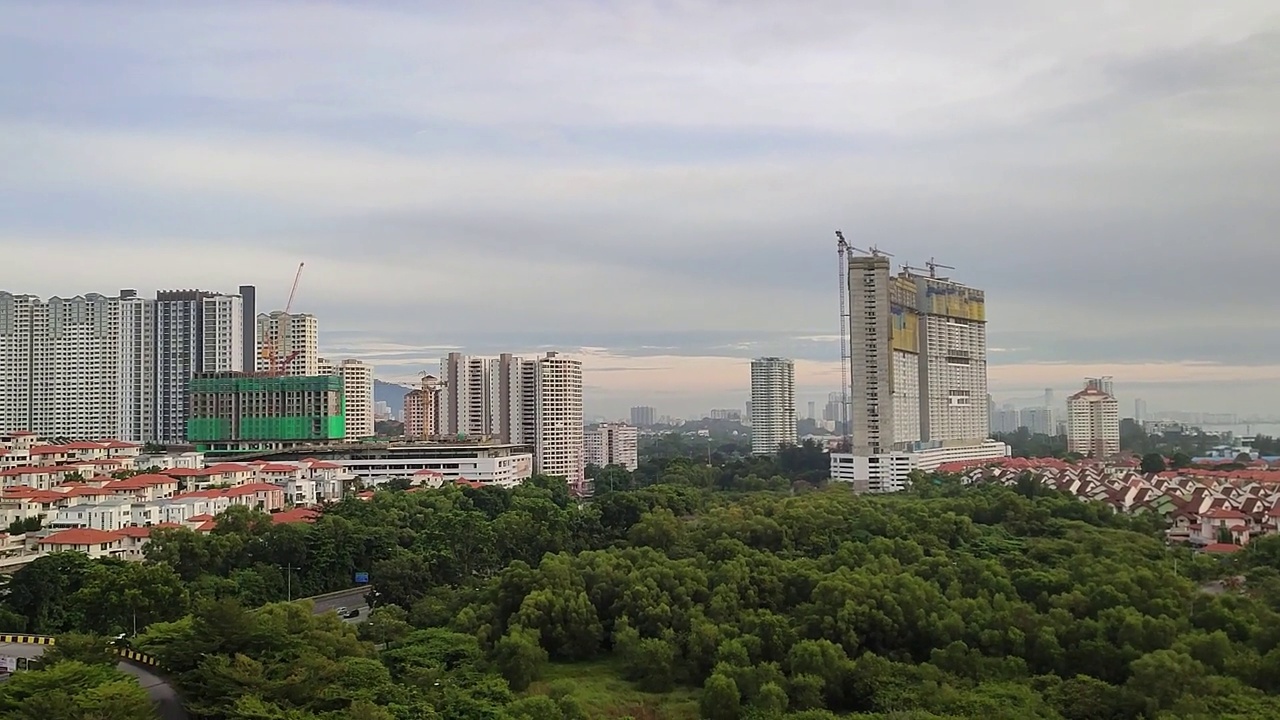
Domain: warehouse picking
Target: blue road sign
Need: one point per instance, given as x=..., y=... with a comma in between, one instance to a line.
x=362, y=577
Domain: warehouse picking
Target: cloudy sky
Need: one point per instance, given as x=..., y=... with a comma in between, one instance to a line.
x=655, y=185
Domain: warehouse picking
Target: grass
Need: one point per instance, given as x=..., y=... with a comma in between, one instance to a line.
x=599, y=687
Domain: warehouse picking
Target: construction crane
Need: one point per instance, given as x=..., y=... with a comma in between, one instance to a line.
x=273, y=347
x=842, y=250
x=933, y=268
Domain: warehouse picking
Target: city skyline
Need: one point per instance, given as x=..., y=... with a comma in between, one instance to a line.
x=1096, y=171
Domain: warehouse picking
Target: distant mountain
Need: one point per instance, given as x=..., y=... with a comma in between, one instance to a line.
x=391, y=394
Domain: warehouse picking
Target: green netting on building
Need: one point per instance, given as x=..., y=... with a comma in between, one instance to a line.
x=248, y=384
x=208, y=429
x=292, y=428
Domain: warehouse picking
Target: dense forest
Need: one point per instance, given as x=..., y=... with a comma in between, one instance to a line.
x=686, y=595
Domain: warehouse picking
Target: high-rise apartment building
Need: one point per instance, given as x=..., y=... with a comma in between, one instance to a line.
x=422, y=410
x=773, y=404
x=918, y=351
x=294, y=339
x=58, y=356
x=1140, y=411
x=464, y=406
x=644, y=416
x=196, y=331
x=76, y=367
x=507, y=399
x=357, y=398
x=918, y=374
x=1093, y=421
x=139, y=379
x=612, y=444
x=558, y=449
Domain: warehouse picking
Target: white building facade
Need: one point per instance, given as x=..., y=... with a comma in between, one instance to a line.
x=558, y=449
x=357, y=391
x=1093, y=421
x=612, y=444
x=773, y=404
x=294, y=338
x=195, y=331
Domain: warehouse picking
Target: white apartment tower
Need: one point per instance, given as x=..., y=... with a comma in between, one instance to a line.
x=612, y=444
x=61, y=365
x=872, y=400
x=295, y=340
x=422, y=410
x=1093, y=421
x=506, y=399
x=195, y=331
x=464, y=401
x=357, y=394
x=953, y=362
x=558, y=448
x=139, y=379
x=773, y=404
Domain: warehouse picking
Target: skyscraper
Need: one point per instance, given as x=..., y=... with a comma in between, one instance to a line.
x=1093, y=421
x=357, y=398
x=422, y=410
x=773, y=404
x=917, y=352
x=559, y=444
x=1139, y=411
x=294, y=338
x=79, y=368
x=196, y=331
x=465, y=400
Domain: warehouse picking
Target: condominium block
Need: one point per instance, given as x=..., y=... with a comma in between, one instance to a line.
x=464, y=403
x=558, y=448
x=871, y=399
x=357, y=390
x=196, y=331
x=644, y=416
x=61, y=364
x=290, y=342
x=953, y=362
x=773, y=404
x=506, y=395
x=1093, y=421
x=612, y=444
x=422, y=410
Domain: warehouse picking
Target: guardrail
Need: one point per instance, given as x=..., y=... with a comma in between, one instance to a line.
x=126, y=653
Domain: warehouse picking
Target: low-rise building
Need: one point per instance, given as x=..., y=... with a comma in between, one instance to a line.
x=94, y=543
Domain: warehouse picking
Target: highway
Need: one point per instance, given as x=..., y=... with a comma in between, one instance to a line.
x=353, y=599
x=161, y=694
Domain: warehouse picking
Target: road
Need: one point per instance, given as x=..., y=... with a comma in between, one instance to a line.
x=161, y=694
x=353, y=598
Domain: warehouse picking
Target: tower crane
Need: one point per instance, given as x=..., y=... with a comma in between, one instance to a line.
x=273, y=347
x=933, y=268
x=842, y=250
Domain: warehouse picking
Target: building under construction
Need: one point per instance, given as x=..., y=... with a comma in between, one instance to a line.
x=235, y=412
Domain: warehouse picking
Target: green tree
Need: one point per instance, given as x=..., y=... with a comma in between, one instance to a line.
x=519, y=657
x=1153, y=463
x=720, y=700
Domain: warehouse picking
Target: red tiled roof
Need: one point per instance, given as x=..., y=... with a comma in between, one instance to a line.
x=138, y=482
x=81, y=536
x=23, y=492
x=135, y=531
x=322, y=465
x=1224, y=514
x=117, y=444
x=296, y=515
x=251, y=489
x=48, y=450
x=278, y=467
x=228, y=468
x=1222, y=548
x=83, y=446
x=203, y=517
x=206, y=526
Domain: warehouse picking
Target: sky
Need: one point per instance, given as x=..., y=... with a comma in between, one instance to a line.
x=655, y=186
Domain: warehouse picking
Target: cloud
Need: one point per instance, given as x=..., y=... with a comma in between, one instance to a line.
x=662, y=181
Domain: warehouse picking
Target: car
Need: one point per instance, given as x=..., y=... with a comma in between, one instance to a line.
x=342, y=611
x=352, y=613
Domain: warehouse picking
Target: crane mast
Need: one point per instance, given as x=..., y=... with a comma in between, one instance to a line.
x=273, y=349
x=846, y=360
